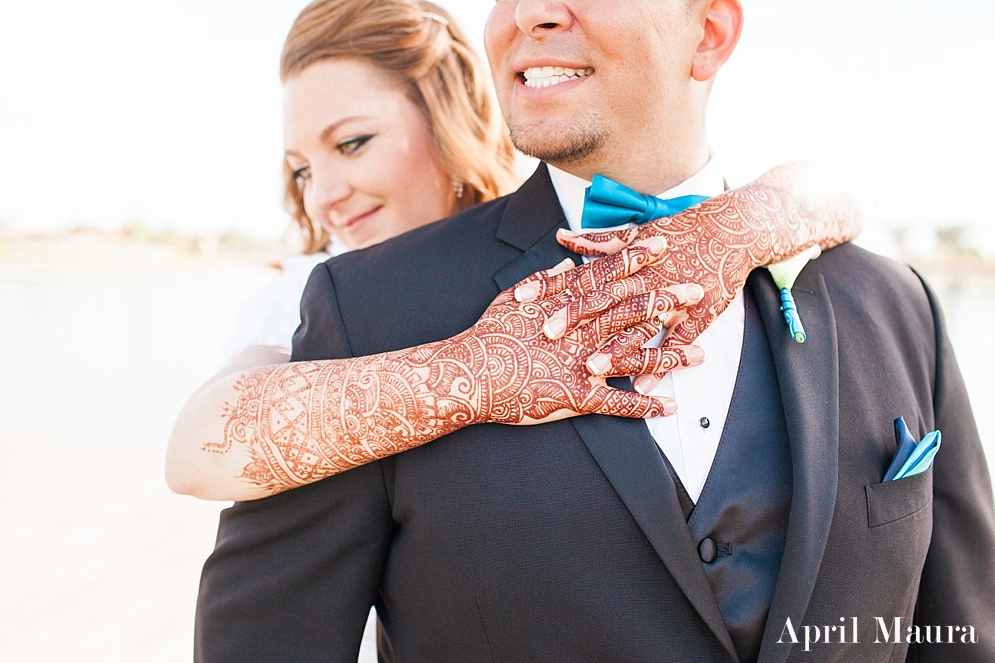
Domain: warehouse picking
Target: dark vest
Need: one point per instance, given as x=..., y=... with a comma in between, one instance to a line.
x=741, y=518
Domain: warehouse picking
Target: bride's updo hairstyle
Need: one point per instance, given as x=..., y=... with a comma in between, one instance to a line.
x=420, y=47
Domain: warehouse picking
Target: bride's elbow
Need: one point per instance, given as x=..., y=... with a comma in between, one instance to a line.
x=184, y=469
x=180, y=477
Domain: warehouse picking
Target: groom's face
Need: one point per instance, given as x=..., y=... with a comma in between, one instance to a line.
x=572, y=74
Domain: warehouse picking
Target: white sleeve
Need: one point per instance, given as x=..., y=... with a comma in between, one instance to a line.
x=271, y=316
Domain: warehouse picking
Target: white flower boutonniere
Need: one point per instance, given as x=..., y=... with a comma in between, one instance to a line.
x=785, y=273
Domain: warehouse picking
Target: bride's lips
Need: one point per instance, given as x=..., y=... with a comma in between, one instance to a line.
x=354, y=222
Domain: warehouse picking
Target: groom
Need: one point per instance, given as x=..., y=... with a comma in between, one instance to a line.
x=754, y=525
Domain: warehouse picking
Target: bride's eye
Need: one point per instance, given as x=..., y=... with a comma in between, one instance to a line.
x=301, y=175
x=352, y=145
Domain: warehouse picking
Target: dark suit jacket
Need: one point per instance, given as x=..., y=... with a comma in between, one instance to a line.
x=566, y=542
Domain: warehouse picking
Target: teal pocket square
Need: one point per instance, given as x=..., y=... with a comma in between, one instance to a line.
x=922, y=457
x=911, y=458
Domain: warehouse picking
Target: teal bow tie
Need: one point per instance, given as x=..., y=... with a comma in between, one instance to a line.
x=608, y=203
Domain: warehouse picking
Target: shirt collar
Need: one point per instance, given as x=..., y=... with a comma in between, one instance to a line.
x=570, y=189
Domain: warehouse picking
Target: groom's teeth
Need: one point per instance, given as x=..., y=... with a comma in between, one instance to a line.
x=549, y=76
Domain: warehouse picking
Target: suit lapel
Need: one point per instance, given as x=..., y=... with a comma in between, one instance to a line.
x=529, y=223
x=808, y=374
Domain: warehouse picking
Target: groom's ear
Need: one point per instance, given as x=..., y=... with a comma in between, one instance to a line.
x=722, y=24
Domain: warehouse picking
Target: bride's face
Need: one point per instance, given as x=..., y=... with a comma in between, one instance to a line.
x=362, y=154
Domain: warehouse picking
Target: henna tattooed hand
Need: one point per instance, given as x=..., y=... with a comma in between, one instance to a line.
x=720, y=241
x=534, y=360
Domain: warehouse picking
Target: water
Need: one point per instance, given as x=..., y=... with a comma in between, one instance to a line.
x=98, y=561
x=110, y=358
x=970, y=322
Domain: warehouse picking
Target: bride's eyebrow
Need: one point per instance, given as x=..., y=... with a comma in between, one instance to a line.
x=331, y=128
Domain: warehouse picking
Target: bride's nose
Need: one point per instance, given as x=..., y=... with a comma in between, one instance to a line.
x=325, y=189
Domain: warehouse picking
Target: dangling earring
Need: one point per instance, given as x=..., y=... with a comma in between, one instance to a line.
x=458, y=187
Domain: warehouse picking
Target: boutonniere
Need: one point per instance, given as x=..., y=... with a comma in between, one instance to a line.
x=785, y=273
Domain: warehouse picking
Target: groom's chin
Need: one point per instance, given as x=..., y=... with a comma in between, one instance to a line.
x=557, y=145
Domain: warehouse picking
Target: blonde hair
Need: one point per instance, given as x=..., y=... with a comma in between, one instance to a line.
x=420, y=47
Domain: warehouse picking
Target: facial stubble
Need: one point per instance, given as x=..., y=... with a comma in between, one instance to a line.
x=551, y=144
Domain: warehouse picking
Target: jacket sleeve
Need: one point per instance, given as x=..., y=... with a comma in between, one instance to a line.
x=292, y=577
x=958, y=580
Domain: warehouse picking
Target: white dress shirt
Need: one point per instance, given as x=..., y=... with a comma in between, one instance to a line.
x=703, y=392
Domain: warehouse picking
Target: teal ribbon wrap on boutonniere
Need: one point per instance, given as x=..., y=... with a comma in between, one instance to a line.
x=785, y=273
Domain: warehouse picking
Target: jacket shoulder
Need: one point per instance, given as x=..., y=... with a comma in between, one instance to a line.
x=858, y=279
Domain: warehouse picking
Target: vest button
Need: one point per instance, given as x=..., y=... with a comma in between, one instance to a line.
x=708, y=551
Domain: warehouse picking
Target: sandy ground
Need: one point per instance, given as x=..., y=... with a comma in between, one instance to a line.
x=100, y=562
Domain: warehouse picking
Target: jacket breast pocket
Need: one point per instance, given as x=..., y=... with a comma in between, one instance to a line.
x=895, y=500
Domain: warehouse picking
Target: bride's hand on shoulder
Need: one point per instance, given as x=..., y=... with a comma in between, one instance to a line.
x=544, y=348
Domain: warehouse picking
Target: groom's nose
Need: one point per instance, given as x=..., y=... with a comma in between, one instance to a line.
x=537, y=18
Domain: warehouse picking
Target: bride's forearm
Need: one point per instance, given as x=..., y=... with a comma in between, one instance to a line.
x=265, y=430
x=802, y=204
x=261, y=431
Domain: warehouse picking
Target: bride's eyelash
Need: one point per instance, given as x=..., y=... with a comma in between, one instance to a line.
x=346, y=147
x=350, y=146
x=301, y=173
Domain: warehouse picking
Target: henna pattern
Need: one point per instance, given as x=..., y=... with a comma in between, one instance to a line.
x=305, y=421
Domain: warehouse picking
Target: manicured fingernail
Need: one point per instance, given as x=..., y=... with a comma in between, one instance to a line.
x=555, y=326
x=562, y=266
x=567, y=232
x=644, y=384
x=599, y=363
x=526, y=293
x=670, y=408
x=656, y=245
x=696, y=355
x=694, y=292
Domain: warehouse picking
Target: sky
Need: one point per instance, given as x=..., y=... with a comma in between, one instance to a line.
x=168, y=112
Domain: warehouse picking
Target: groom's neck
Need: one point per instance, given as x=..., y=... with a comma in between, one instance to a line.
x=650, y=164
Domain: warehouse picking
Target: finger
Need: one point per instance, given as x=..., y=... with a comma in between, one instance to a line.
x=655, y=361
x=617, y=403
x=596, y=244
x=623, y=344
x=644, y=384
x=594, y=275
x=681, y=329
x=618, y=306
x=673, y=318
x=527, y=290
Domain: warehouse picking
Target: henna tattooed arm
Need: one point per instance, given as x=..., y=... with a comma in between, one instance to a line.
x=719, y=242
x=264, y=430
